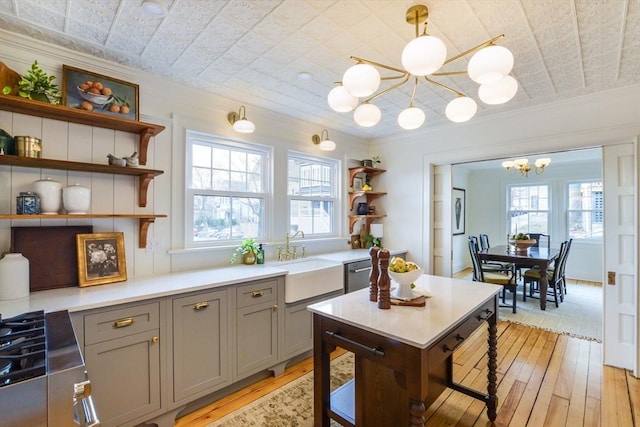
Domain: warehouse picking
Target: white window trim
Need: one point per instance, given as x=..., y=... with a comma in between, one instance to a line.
x=548, y=211
x=336, y=198
x=568, y=210
x=267, y=194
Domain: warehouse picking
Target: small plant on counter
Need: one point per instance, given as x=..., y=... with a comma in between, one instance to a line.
x=248, y=246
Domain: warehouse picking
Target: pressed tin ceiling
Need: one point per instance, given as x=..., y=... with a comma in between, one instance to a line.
x=253, y=50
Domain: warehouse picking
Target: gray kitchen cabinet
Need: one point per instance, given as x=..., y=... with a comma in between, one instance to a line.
x=298, y=325
x=201, y=362
x=122, y=354
x=257, y=315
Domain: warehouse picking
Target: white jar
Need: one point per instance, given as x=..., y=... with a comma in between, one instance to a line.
x=76, y=199
x=14, y=276
x=50, y=193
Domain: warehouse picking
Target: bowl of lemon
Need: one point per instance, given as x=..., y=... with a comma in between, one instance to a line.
x=404, y=273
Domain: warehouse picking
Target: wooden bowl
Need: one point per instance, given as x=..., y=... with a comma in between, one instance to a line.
x=522, y=245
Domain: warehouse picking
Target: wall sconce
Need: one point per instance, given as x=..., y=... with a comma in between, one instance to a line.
x=522, y=165
x=323, y=142
x=240, y=122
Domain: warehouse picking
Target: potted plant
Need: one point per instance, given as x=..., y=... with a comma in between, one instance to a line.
x=247, y=250
x=36, y=85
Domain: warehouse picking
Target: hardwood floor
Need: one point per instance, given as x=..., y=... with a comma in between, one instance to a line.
x=545, y=379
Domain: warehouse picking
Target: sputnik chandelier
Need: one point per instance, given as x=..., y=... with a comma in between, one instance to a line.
x=422, y=57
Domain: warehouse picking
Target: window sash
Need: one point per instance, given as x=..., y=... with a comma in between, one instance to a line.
x=227, y=185
x=312, y=189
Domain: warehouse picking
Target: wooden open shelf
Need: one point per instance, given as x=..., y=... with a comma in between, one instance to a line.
x=366, y=218
x=21, y=105
x=363, y=169
x=370, y=196
x=145, y=175
x=144, y=220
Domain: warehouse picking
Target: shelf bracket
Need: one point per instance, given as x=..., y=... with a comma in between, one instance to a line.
x=145, y=136
x=143, y=187
x=144, y=228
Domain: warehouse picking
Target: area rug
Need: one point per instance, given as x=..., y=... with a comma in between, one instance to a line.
x=580, y=315
x=290, y=405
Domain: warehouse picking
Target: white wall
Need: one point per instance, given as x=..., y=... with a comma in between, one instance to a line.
x=486, y=211
x=177, y=107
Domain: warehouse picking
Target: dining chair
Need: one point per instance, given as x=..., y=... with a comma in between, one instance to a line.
x=483, y=239
x=506, y=279
x=531, y=277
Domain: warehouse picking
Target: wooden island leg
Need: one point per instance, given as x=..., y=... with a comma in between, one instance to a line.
x=416, y=413
x=321, y=375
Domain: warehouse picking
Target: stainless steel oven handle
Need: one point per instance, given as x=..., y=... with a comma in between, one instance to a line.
x=84, y=411
x=360, y=270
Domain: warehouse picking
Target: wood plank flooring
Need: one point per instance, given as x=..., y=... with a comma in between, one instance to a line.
x=545, y=379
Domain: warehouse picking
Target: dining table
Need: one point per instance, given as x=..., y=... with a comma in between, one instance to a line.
x=540, y=256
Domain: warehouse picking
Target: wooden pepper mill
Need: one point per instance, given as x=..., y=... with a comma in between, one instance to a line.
x=373, y=276
x=384, y=283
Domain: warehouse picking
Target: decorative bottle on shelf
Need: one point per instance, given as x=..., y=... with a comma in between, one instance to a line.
x=363, y=209
x=14, y=276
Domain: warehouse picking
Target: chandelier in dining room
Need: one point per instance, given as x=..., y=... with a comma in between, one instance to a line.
x=422, y=57
x=523, y=166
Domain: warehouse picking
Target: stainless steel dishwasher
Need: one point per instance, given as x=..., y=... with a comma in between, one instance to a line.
x=356, y=274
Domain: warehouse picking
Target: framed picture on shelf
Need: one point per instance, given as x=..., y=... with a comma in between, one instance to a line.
x=357, y=183
x=100, y=258
x=99, y=94
x=459, y=210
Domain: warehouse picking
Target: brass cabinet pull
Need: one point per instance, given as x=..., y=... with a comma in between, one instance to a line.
x=256, y=294
x=155, y=340
x=275, y=307
x=201, y=305
x=123, y=323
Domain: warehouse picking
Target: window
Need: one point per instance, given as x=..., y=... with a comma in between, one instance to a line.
x=312, y=190
x=227, y=188
x=585, y=213
x=529, y=209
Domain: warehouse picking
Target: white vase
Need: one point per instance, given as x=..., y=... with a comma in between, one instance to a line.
x=14, y=276
x=50, y=193
x=76, y=199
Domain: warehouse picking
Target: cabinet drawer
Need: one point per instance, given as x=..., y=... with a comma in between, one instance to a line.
x=257, y=293
x=108, y=325
x=445, y=347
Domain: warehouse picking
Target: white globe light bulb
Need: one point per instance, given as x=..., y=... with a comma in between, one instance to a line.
x=424, y=55
x=361, y=80
x=499, y=92
x=367, y=115
x=327, y=145
x=461, y=109
x=490, y=64
x=340, y=100
x=411, y=118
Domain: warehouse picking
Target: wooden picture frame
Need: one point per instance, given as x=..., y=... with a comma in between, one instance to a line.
x=458, y=211
x=99, y=93
x=357, y=183
x=100, y=258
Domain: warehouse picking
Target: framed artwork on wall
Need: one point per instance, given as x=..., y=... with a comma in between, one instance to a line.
x=99, y=94
x=100, y=258
x=459, y=211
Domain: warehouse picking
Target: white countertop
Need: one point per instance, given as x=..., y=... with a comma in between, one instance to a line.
x=137, y=289
x=450, y=301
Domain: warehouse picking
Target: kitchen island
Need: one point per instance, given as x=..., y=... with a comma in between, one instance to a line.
x=403, y=356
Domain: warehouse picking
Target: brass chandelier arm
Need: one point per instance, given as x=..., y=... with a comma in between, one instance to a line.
x=377, y=64
x=390, y=88
x=444, y=86
x=480, y=46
